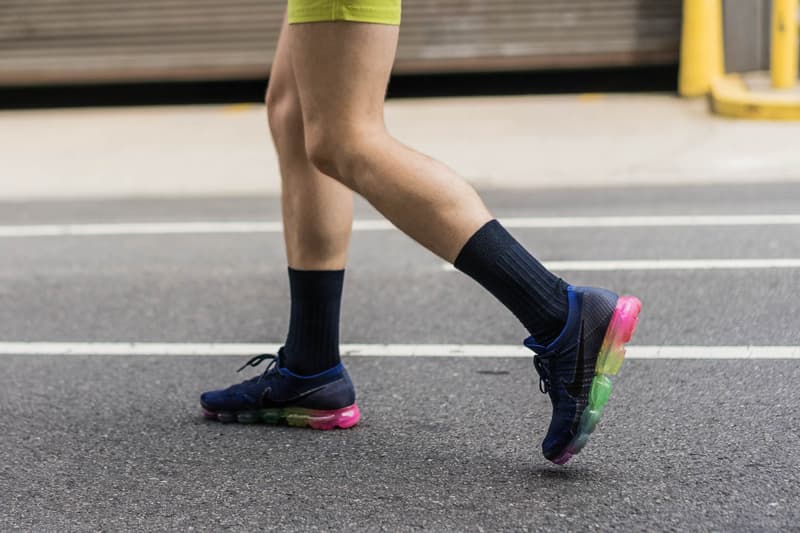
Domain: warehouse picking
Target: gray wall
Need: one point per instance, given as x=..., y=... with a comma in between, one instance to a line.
x=747, y=25
x=747, y=34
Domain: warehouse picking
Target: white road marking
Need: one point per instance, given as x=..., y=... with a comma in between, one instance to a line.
x=664, y=264
x=183, y=228
x=381, y=350
x=651, y=221
x=154, y=228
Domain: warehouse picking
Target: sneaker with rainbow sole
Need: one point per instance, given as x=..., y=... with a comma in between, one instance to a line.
x=323, y=401
x=575, y=368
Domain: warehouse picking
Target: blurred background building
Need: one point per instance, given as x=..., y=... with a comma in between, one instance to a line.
x=89, y=41
x=95, y=41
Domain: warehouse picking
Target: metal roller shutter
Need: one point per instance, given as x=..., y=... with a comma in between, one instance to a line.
x=47, y=41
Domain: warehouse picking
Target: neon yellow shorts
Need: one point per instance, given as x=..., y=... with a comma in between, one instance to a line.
x=375, y=11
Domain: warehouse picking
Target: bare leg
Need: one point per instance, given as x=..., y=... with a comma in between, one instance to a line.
x=342, y=70
x=317, y=210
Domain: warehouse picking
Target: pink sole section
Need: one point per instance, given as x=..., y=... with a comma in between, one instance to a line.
x=620, y=331
x=627, y=311
x=340, y=418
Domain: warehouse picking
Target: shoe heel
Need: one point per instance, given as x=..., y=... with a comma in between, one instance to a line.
x=341, y=418
x=620, y=331
x=609, y=360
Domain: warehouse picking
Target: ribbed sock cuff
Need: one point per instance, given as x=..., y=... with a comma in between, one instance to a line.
x=312, y=344
x=536, y=296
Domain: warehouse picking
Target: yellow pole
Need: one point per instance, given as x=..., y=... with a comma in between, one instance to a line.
x=702, y=51
x=784, y=58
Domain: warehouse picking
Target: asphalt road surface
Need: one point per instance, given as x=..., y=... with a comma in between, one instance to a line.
x=97, y=442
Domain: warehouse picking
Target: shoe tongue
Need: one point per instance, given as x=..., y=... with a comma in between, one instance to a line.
x=279, y=359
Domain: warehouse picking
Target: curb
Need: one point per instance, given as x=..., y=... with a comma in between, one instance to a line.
x=731, y=97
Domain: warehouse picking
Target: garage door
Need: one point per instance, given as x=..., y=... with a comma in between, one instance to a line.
x=80, y=41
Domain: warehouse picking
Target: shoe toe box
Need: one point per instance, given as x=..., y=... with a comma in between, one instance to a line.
x=559, y=434
x=226, y=400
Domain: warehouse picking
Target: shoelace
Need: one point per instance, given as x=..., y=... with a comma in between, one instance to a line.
x=544, y=375
x=258, y=359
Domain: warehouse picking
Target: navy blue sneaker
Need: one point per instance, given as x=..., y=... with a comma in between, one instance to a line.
x=323, y=401
x=575, y=368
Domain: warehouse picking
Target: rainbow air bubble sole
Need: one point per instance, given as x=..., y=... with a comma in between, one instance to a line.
x=344, y=418
x=609, y=360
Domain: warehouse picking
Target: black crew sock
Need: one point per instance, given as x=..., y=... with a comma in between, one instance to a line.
x=312, y=345
x=537, y=297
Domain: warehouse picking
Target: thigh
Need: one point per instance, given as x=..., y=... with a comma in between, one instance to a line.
x=281, y=74
x=342, y=70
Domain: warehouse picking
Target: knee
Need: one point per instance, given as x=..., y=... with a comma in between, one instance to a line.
x=321, y=145
x=338, y=151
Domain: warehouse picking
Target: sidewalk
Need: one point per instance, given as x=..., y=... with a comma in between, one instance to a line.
x=499, y=142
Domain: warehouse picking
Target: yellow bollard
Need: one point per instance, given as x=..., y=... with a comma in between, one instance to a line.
x=784, y=54
x=702, y=51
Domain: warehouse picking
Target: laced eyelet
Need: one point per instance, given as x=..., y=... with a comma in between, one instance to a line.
x=544, y=385
x=544, y=375
x=255, y=361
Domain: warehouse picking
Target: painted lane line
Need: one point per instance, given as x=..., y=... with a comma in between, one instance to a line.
x=664, y=264
x=380, y=350
x=645, y=221
x=134, y=348
x=184, y=228
x=154, y=228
